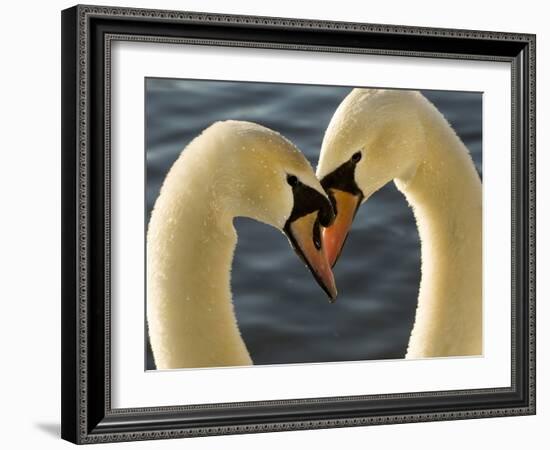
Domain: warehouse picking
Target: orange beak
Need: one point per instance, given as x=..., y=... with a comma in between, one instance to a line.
x=304, y=234
x=334, y=237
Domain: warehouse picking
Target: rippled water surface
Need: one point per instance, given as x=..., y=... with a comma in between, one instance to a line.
x=283, y=314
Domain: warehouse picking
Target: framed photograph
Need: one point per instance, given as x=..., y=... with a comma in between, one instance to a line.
x=282, y=224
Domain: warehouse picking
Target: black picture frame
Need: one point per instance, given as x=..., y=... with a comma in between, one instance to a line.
x=87, y=33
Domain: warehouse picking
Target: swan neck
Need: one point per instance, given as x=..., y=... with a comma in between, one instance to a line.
x=191, y=242
x=445, y=195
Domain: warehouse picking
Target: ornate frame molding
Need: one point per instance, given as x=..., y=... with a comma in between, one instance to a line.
x=84, y=421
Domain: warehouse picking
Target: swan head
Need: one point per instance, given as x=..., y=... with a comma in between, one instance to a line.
x=263, y=176
x=374, y=136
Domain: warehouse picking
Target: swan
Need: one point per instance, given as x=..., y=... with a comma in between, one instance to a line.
x=376, y=136
x=232, y=169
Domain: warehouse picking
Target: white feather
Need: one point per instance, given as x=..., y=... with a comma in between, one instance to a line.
x=404, y=138
x=232, y=169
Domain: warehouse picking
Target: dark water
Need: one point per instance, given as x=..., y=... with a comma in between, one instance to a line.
x=283, y=314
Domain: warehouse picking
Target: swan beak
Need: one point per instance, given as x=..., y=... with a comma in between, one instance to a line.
x=334, y=237
x=304, y=234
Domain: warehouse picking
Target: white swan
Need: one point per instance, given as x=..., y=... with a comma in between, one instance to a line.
x=376, y=136
x=232, y=169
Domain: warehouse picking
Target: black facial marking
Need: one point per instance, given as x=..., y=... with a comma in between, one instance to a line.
x=317, y=241
x=308, y=200
x=292, y=180
x=343, y=178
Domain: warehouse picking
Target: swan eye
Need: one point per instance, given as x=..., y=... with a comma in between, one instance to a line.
x=356, y=157
x=292, y=180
